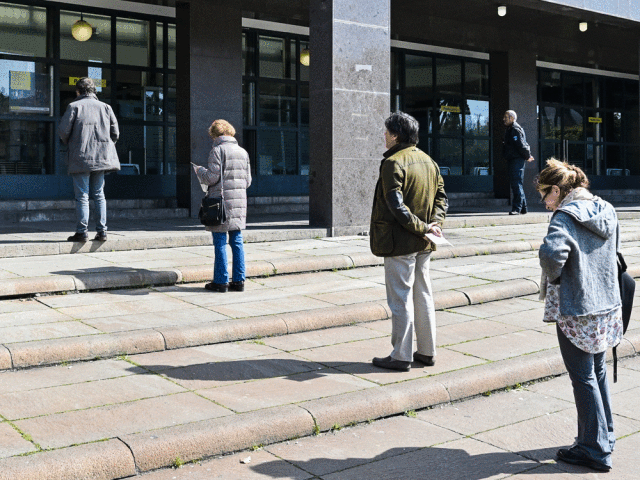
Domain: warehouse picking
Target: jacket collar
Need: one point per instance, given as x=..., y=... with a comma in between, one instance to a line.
x=396, y=148
x=224, y=139
x=87, y=95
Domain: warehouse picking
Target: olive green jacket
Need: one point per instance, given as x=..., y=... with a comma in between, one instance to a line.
x=409, y=196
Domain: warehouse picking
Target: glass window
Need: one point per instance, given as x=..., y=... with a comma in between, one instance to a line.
x=476, y=81
x=592, y=92
x=419, y=105
x=70, y=74
x=25, y=148
x=249, y=144
x=304, y=151
x=171, y=30
x=614, y=158
x=97, y=48
x=419, y=73
x=550, y=87
x=248, y=103
x=573, y=124
x=304, y=69
x=277, y=57
x=593, y=129
x=142, y=145
x=613, y=127
x=594, y=164
x=23, y=30
x=476, y=118
x=132, y=42
x=450, y=155
x=577, y=154
x=395, y=71
x=25, y=88
x=278, y=104
x=450, y=117
x=573, y=89
x=614, y=92
x=140, y=95
x=170, y=160
x=159, y=44
x=477, y=157
x=448, y=76
x=248, y=56
x=548, y=150
x=551, y=123
x=170, y=102
x=304, y=105
x=277, y=152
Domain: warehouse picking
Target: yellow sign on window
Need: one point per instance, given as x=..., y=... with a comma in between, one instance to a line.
x=20, y=80
x=450, y=109
x=595, y=120
x=100, y=82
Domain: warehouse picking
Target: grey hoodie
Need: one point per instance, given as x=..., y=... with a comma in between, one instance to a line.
x=579, y=253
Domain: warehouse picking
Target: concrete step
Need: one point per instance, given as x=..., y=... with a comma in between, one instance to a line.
x=69, y=215
x=258, y=206
x=619, y=196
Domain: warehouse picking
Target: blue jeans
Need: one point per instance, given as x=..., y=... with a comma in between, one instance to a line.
x=588, y=374
x=220, y=269
x=516, y=177
x=87, y=185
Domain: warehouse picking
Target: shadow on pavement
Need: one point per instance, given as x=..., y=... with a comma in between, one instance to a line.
x=430, y=463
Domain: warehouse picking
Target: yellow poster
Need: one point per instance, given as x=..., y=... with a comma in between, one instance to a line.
x=450, y=109
x=595, y=120
x=100, y=82
x=20, y=80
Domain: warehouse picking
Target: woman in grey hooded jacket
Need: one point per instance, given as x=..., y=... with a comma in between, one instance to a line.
x=580, y=288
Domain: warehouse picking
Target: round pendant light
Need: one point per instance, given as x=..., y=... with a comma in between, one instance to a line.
x=304, y=57
x=81, y=30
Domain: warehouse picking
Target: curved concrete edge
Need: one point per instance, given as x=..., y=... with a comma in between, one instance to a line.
x=500, y=290
x=5, y=358
x=492, y=220
x=26, y=286
x=310, y=264
x=96, y=461
x=222, y=331
x=334, y=317
x=47, y=352
x=160, y=448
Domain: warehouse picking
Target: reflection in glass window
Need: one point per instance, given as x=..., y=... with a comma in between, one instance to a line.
x=573, y=124
x=25, y=88
x=550, y=87
x=140, y=95
x=450, y=155
x=132, y=42
x=159, y=43
x=595, y=160
x=248, y=56
x=476, y=118
x=143, y=146
x=551, y=123
x=448, y=76
x=25, y=148
x=97, y=48
x=476, y=78
x=573, y=89
x=70, y=74
x=277, y=57
x=477, y=157
x=248, y=103
x=304, y=69
x=278, y=104
x=450, y=117
x=170, y=102
x=419, y=72
x=304, y=151
x=277, y=152
x=171, y=30
x=23, y=30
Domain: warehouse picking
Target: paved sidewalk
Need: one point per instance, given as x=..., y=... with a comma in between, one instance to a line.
x=468, y=440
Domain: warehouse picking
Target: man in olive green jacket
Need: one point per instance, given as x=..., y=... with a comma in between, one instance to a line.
x=409, y=202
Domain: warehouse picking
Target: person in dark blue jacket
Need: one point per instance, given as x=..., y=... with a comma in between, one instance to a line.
x=516, y=152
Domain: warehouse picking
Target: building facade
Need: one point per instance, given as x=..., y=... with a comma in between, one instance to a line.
x=310, y=83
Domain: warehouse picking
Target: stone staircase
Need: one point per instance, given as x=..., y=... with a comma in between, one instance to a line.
x=23, y=211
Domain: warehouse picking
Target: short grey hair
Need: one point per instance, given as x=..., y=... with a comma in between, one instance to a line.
x=85, y=86
x=512, y=114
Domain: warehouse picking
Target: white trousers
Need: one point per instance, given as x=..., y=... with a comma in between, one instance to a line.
x=410, y=299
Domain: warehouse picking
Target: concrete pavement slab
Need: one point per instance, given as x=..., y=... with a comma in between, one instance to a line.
x=44, y=331
x=294, y=388
x=31, y=317
x=350, y=296
x=285, y=304
x=80, y=396
x=333, y=451
x=97, y=461
x=471, y=330
x=321, y=338
x=82, y=426
x=12, y=443
x=5, y=358
x=508, y=345
x=214, y=437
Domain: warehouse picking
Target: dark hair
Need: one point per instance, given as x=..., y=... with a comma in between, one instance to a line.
x=85, y=85
x=404, y=126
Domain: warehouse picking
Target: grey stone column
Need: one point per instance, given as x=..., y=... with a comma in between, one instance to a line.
x=349, y=101
x=209, y=77
x=514, y=87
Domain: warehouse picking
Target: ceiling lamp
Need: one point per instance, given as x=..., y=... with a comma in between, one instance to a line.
x=583, y=26
x=304, y=57
x=502, y=10
x=81, y=30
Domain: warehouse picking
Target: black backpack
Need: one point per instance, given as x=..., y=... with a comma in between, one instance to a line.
x=627, y=290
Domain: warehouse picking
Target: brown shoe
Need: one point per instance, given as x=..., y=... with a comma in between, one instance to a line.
x=392, y=364
x=424, y=359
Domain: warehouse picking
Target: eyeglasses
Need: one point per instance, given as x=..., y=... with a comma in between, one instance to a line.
x=544, y=197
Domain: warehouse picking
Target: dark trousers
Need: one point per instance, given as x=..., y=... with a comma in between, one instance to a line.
x=588, y=374
x=516, y=177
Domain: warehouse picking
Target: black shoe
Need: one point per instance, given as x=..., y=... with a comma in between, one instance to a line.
x=424, y=359
x=391, y=364
x=79, y=237
x=576, y=457
x=523, y=211
x=217, y=287
x=514, y=212
x=101, y=236
x=236, y=286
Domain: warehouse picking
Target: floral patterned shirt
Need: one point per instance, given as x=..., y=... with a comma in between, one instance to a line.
x=590, y=333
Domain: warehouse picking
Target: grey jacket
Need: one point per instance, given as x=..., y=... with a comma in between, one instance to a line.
x=90, y=128
x=579, y=253
x=227, y=155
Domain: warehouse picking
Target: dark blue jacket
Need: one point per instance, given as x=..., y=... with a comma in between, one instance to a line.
x=515, y=144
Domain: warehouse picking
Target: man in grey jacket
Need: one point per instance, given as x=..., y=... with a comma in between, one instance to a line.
x=90, y=129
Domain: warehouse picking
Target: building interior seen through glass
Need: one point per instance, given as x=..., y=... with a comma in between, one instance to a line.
x=450, y=99
x=131, y=60
x=276, y=102
x=591, y=121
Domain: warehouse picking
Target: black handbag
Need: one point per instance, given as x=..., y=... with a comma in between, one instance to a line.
x=212, y=212
x=627, y=290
